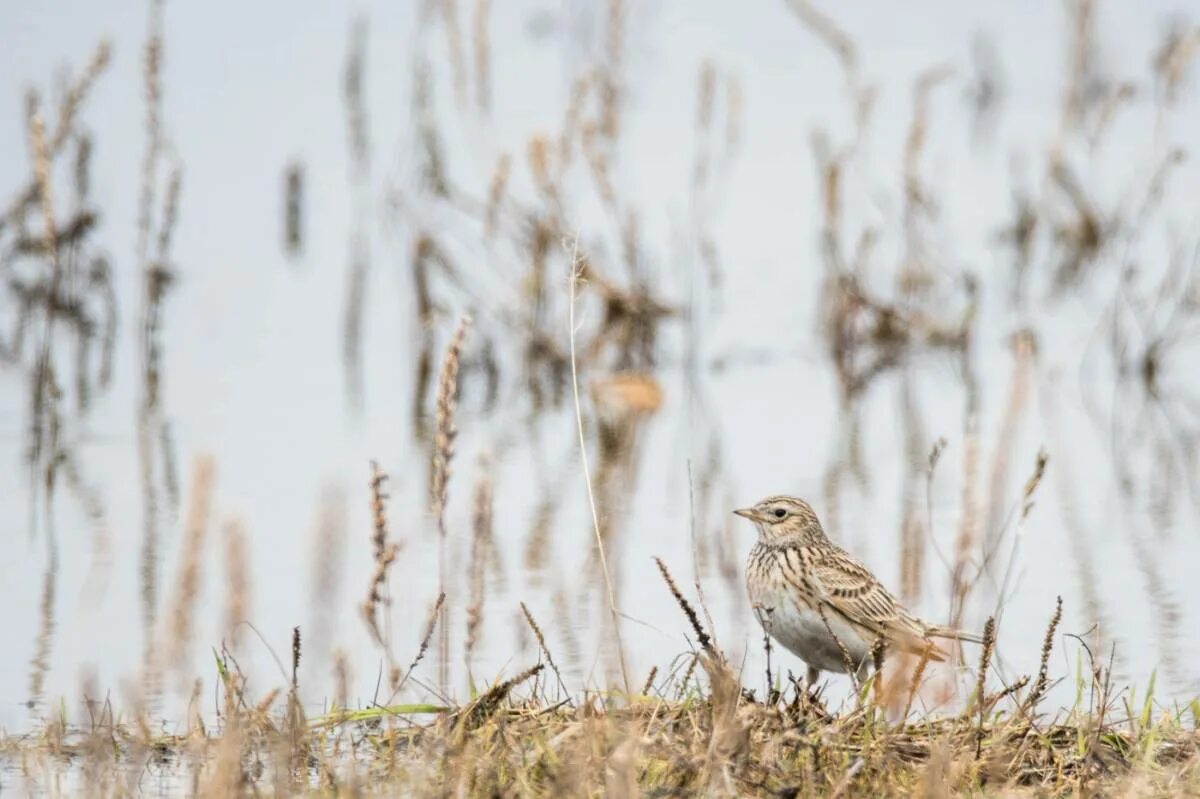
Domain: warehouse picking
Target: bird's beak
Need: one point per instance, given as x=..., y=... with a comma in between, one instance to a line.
x=748, y=513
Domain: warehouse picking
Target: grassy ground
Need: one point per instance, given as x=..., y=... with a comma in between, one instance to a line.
x=697, y=731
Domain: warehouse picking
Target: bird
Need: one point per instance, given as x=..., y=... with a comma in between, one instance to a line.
x=820, y=602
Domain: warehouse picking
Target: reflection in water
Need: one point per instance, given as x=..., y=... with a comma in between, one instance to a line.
x=360, y=172
x=293, y=209
x=483, y=545
x=60, y=287
x=1076, y=521
x=40, y=663
x=328, y=567
x=919, y=464
x=157, y=216
x=1155, y=420
x=439, y=479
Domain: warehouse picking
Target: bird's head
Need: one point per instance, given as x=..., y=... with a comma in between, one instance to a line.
x=783, y=519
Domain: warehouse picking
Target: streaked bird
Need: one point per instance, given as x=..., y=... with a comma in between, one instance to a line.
x=819, y=602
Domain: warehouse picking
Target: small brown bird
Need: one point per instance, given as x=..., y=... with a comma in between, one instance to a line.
x=803, y=587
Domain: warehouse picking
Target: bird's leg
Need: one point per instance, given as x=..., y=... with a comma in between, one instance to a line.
x=813, y=674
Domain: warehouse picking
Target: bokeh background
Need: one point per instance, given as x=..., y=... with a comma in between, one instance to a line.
x=817, y=246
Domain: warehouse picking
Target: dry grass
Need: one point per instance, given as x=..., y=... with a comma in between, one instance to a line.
x=513, y=740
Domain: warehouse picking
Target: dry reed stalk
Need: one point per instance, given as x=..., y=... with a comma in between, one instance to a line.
x=831, y=35
x=481, y=525
x=687, y=675
x=733, y=116
x=580, y=90
x=152, y=77
x=433, y=162
x=770, y=692
x=43, y=441
x=353, y=82
x=705, y=92
x=358, y=269
x=566, y=628
x=965, y=544
x=328, y=555
x=649, y=684
x=912, y=552
x=1031, y=486
x=431, y=623
x=293, y=209
x=915, y=684
x=1018, y=395
x=191, y=557
x=447, y=400
x=82, y=169
x=237, y=594
x=599, y=163
x=1039, y=687
x=914, y=145
x=916, y=274
x=443, y=453
x=385, y=554
x=985, y=659
x=157, y=277
x=341, y=678
x=45, y=191
x=489, y=702
x=851, y=666
x=297, y=725
x=40, y=662
x=1174, y=56
x=44, y=389
x=65, y=130
x=295, y=658
x=263, y=706
x=696, y=571
x=483, y=65
x=537, y=153
x=610, y=83
x=170, y=215
x=1079, y=92
x=454, y=45
x=76, y=93
x=537, y=544
x=225, y=774
x=577, y=265
x=912, y=532
x=1007, y=691
x=353, y=318
x=496, y=189
x=541, y=640
x=729, y=739
x=701, y=636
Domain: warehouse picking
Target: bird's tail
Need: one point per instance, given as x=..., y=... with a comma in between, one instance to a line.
x=938, y=631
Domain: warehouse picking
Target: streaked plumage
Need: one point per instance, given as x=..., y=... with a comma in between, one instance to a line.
x=802, y=585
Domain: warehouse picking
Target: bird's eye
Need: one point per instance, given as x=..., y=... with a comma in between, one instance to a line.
x=779, y=513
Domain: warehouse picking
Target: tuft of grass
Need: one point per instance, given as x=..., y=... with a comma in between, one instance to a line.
x=513, y=740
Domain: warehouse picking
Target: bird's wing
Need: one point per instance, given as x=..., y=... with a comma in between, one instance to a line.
x=849, y=589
